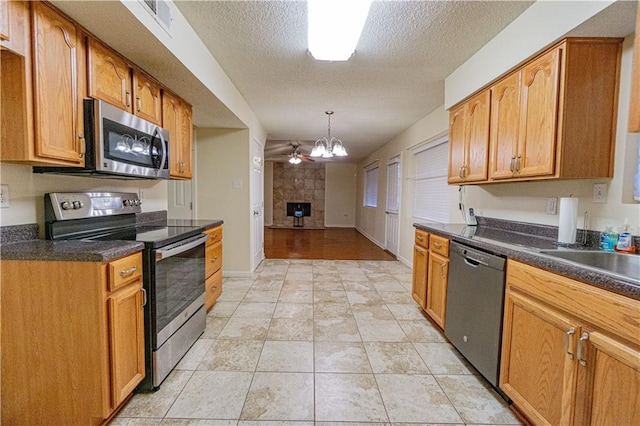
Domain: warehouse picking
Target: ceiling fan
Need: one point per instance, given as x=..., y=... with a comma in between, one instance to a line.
x=295, y=157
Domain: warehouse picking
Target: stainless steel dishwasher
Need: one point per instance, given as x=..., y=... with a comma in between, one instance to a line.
x=475, y=298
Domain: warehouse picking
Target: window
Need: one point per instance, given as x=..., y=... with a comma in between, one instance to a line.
x=431, y=197
x=371, y=186
x=393, y=185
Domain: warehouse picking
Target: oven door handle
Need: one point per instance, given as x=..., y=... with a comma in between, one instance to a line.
x=176, y=249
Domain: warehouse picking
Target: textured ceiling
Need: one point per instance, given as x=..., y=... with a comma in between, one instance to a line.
x=395, y=78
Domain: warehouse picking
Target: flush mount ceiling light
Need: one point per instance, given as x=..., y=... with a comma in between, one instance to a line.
x=328, y=147
x=334, y=27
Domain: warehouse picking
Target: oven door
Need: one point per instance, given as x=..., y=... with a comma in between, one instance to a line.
x=129, y=145
x=177, y=287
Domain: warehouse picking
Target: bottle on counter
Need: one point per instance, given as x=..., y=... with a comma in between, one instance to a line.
x=608, y=239
x=625, y=241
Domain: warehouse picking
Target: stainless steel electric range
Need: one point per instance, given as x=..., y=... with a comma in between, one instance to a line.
x=173, y=272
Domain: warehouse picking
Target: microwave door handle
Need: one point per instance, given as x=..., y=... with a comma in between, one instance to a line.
x=165, y=150
x=180, y=248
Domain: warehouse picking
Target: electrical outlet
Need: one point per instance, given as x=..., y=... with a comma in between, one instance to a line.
x=141, y=193
x=552, y=206
x=4, y=196
x=237, y=184
x=600, y=193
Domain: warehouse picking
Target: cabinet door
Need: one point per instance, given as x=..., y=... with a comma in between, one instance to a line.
x=538, y=116
x=213, y=288
x=634, y=107
x=171, y=122
x=58, y=125
x=477, y=150
x=213, y=257
x=437, y=287
x=126, y=334
x=609, y=377
x=505, y=104
x=109, y=76
x=538, y=364
x=5, y=22
x=147, y=98
x=419, y=285
x=186, y=139
x=457, y=143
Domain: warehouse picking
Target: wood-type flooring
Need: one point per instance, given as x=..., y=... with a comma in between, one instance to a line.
x=329, y=244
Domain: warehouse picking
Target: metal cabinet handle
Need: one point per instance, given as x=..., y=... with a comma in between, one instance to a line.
x=144, y=297
x=567, y=337
x=124, y=273
x=512, y=166
x=461, y=172
x=214, y=259
x=437, y=245
x=518, y=163
x=583, y=338
x=83, y=145
x=139, y=103
x=420, y=238
x=442, y=273
x=419, y=250
x=128, y=99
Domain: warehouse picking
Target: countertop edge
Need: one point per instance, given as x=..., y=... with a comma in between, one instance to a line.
x=68, y=251
x=603, y=280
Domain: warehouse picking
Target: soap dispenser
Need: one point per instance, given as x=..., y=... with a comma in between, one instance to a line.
x=608, y=238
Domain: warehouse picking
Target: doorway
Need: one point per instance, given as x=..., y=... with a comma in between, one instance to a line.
x=392, y=217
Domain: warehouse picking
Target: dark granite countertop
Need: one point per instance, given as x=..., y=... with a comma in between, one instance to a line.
x=69, y=250
x=199, y=223
x=524, y=247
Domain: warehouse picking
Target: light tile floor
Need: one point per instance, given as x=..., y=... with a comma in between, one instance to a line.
x=323, y=342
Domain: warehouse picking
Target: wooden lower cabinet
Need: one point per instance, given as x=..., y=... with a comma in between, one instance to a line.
x=213, y=266
x=420, y=267
x=570, y=351
x=72, y=350
x=437, y=287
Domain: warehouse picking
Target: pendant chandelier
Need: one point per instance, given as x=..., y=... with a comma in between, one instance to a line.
x=329, y=146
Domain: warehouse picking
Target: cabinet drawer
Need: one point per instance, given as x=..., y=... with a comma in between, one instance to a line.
x=215, y=235
x=422, y=239
x=213, y=288
x=213, y=258
x=124, y=271
x=439, y=245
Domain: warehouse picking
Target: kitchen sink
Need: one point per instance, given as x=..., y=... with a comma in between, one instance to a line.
x=626, y=265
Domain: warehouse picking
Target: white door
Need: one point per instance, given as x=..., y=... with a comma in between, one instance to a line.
x=257, y=203
x=180, y=199
x=393, y=205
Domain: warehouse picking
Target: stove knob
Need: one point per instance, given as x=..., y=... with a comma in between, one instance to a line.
x=126, y=202
x=137, y=202
x=65, y=205
x=76, y=205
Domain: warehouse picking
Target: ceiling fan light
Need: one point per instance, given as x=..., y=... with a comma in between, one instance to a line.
x=295, y=160
x=334, y=27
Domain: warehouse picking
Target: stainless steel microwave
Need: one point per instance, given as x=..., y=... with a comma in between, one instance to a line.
x=119, y=145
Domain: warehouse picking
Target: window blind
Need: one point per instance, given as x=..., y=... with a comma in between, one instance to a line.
x=431, y=195
x=371, y=187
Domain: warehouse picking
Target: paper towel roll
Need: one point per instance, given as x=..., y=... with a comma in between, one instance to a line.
x=568, y=220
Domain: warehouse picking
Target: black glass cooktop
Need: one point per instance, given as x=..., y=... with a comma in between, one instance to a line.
x=152, y=236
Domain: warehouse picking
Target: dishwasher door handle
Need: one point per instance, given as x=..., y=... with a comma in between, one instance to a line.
x=474, y=262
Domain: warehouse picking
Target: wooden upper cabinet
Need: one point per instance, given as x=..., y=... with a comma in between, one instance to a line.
x=505, y=107
x=634, y=107
x=457, y=143
x=538, y=114
x=146, y=95
x=109, y=76
x=5, y=22
x=176, y=118
x=186, y=130
x=469, y=140
x=478, y=138
x=57, y=106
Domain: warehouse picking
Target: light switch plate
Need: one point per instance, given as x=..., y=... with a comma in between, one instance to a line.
x=4, y=196
x=600, y=193
x=552, y=206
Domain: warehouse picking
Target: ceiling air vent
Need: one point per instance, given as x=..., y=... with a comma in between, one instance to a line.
x=161, y=11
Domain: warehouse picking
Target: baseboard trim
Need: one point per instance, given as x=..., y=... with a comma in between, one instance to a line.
x=237, y=274
x=370, y=238
x=405, y=261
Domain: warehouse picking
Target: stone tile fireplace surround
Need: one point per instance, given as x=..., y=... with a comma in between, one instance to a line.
x=303, y=182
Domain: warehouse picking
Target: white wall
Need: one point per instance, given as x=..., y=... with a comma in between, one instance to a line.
x=27, y=191
x=340, y=195
x=223, y=156
x=371, y=221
